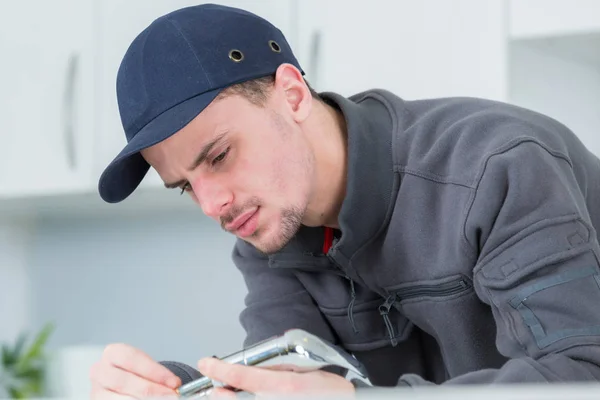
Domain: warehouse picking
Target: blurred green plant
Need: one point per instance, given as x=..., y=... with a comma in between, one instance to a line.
x=23, y=368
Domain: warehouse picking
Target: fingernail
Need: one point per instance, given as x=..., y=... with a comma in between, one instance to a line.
x=173, y=382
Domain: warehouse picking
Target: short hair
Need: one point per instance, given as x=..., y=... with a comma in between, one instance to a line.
x=257, y=90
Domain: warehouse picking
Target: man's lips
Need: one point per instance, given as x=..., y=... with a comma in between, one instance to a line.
x=240, y=220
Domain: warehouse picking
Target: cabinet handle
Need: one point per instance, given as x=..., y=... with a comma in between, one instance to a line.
x=315, y=51
x=68, y=110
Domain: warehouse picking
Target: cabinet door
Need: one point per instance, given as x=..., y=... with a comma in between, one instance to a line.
x=46, y=123
x=417, y=49
x=121, y=22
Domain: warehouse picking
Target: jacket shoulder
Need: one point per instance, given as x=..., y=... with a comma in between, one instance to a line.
x=451, y=138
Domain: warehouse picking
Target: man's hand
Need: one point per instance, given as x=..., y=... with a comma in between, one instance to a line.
x=268, y=382
x=125, y=372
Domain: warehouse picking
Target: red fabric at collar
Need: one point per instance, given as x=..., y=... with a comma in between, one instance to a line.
x=328, y=242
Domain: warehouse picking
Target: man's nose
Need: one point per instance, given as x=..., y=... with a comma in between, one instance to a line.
x=213, y=198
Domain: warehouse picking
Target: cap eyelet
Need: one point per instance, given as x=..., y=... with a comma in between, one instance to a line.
x=274, y=46
x=236, y=55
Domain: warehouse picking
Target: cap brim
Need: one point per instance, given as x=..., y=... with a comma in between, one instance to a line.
x=125, y=173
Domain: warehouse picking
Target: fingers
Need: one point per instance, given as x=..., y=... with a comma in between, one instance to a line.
x=127, y=383
x=253, y=380
x=136, y=361
x=222, y=393
x=125, y=373
x=100, y=393
x=267, y=382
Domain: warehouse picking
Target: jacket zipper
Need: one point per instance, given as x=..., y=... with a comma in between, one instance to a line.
x=330, y=247
x=304, y=262
x=443, y=289
x=384, y=310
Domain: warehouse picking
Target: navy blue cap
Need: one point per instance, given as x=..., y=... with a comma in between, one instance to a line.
x=175, y=68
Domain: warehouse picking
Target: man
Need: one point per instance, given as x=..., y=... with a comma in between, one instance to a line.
x=441, y=241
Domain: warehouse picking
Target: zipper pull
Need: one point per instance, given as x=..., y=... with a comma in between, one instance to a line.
x=384, y=310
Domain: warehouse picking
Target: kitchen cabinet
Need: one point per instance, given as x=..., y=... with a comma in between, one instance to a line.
x=417, y=49
x=46, y=96
x=59, y=121
x=502, y=50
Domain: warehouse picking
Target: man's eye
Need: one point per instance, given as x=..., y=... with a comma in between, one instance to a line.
x=220, y=157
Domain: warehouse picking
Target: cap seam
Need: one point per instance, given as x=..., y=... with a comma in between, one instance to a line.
x=196, y=95
x=173, y=106
x=176, y=26
x=169, y=113
x=144, y=85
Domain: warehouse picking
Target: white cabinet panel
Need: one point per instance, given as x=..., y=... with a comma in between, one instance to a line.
x=45, y=96
x=59, y=121
x=121, y=22
x=417, y=49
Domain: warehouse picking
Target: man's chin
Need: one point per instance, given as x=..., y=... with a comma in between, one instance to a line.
x=268, y=248
x=270, y=238
x=267, y=242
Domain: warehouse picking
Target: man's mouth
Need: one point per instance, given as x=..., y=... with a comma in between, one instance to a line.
x=244, y=224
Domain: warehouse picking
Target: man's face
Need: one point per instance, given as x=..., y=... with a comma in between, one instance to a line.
x=250, y=168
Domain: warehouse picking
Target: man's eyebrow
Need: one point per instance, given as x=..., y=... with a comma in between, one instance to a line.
x=206, y=149
x=200, y=159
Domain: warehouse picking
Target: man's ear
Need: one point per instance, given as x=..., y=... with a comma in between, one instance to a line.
x=290, y=83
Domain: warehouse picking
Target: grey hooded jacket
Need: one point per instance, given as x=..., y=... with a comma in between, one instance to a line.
x=467, y=249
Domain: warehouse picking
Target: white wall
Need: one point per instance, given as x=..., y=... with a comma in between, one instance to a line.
x=15, y=238
x=558, y=77
x=165, y=284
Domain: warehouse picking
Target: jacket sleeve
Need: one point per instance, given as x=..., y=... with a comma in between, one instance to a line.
x=276, y=300
x=537, y=266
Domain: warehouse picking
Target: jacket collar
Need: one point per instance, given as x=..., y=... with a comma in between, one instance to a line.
x=371, y=186
x=371, y=180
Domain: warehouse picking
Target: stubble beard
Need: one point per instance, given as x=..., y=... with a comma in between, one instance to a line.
x=291, y=216
x=291, y=221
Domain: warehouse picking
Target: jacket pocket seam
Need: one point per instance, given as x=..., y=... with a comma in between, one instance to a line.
x=436, y=299
x=433, y=292
x=513, y=272
x=533, y=229
x=357, y=309
x=542, y=338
